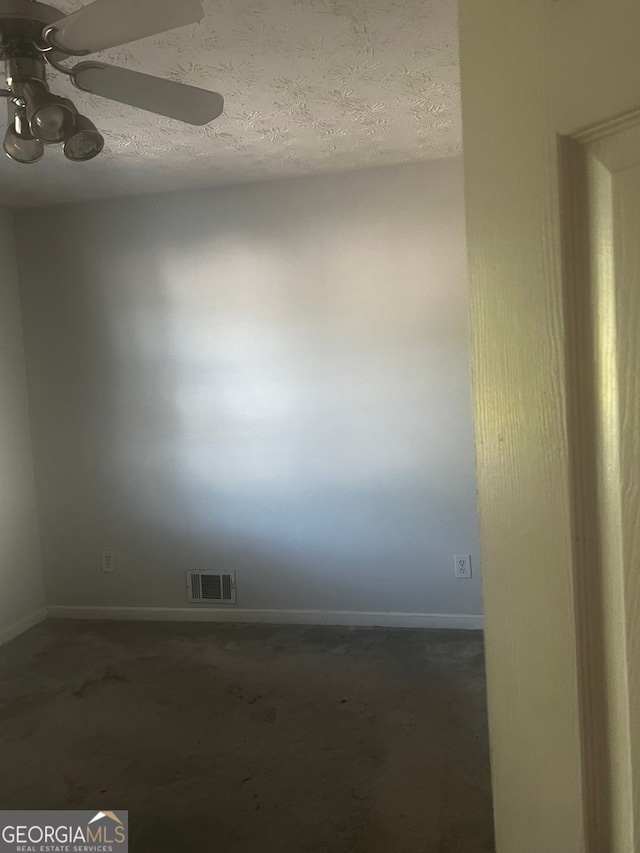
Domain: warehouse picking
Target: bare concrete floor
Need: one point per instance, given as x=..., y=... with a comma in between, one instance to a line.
x=237, y=738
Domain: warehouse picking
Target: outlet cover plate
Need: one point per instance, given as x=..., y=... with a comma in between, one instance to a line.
x=463, y=566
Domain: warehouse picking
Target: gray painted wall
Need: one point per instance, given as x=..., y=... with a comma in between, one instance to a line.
x=270, y=378
x=21, y=578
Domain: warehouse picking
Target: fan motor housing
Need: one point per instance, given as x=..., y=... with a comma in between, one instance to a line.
x=21, y=25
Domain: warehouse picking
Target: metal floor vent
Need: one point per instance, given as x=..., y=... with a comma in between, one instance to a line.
x=211, y=586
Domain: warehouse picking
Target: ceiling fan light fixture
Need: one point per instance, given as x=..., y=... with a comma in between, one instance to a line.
x=22, y=150
x=85, y=143
x=34, y=35
x=51, y=118
x=19, y=143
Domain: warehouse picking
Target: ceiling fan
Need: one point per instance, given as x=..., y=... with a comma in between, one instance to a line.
x=34, y=35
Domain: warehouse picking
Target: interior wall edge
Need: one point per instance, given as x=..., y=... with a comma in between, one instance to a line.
x=22, y=583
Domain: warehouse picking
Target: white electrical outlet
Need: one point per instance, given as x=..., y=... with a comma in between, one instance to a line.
x=108, y=561
x=463, y=566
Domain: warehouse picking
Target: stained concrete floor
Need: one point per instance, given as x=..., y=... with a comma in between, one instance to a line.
x=240, y=738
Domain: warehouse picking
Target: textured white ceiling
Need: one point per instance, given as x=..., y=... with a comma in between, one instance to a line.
x=310, y=86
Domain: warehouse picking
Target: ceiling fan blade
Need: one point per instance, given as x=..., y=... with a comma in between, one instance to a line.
x=109, y=23
x=175, y=100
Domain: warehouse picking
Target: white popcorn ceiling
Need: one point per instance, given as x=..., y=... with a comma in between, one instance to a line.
x=310, y=86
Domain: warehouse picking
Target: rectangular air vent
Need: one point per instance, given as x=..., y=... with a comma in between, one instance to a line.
x=211, y=587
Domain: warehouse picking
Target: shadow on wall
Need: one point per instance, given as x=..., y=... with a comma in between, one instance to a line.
x=286, y=396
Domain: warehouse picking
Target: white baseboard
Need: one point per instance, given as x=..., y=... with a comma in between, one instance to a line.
x=23, y=625
x=274, y=617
